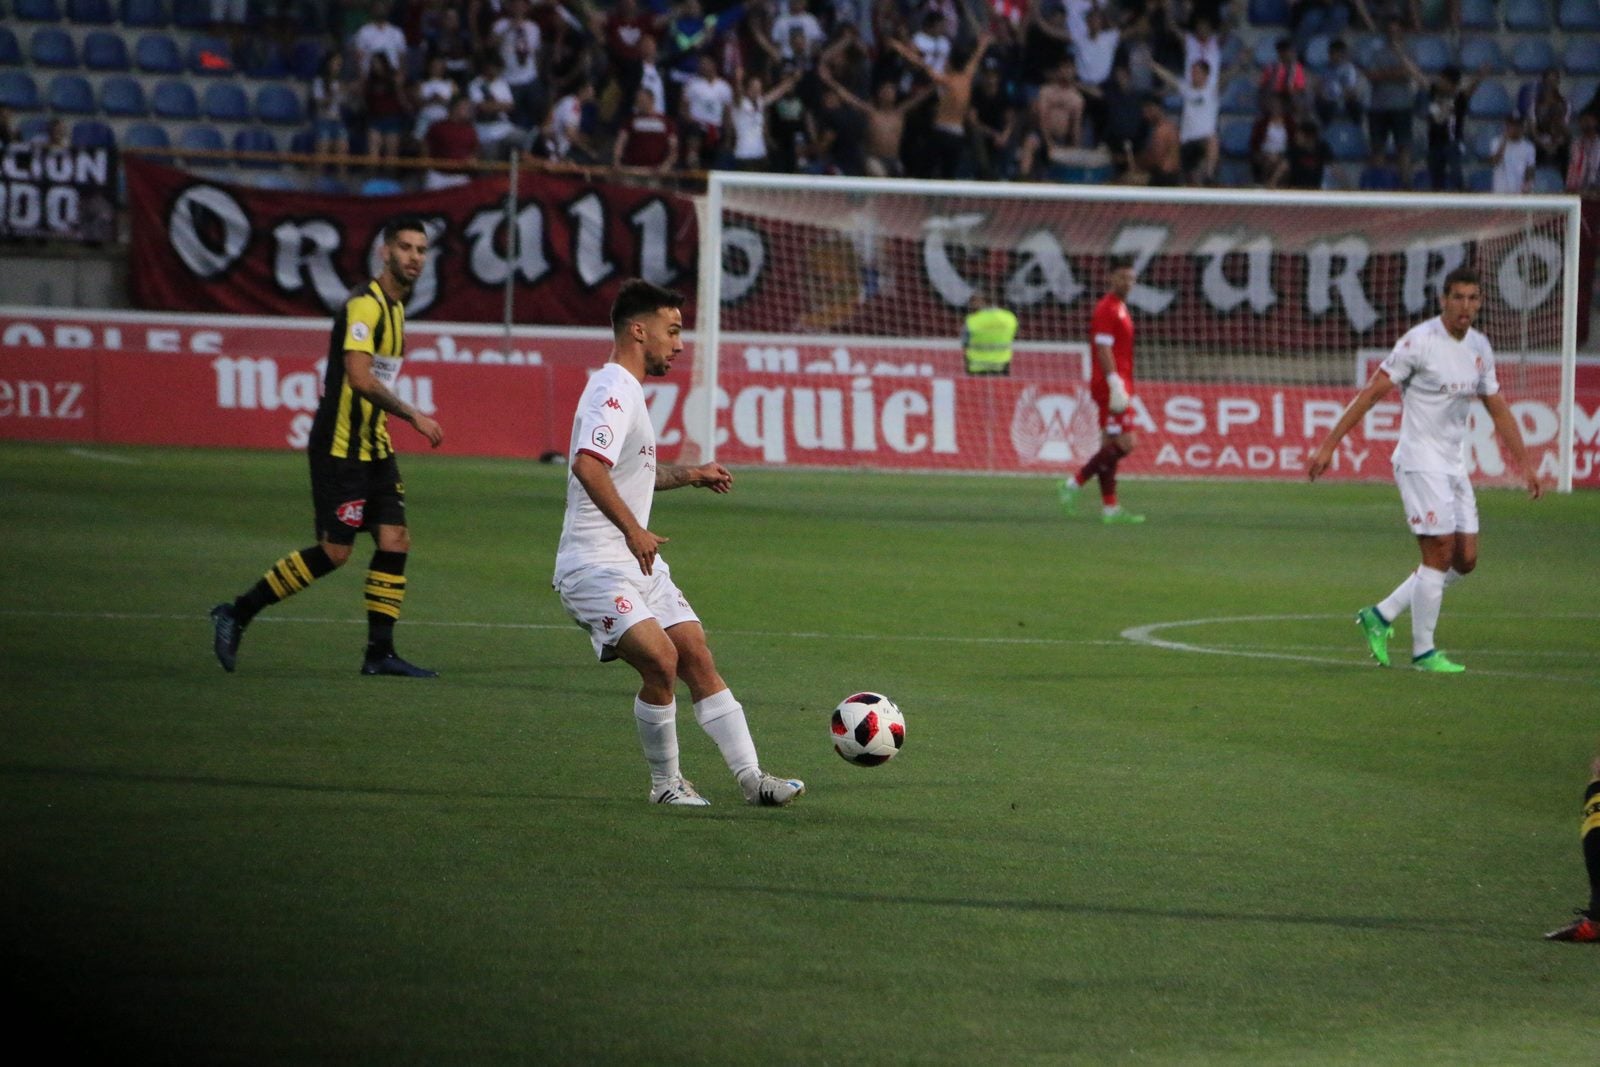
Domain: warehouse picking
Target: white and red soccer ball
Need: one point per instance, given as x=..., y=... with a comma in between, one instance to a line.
x=868, y=729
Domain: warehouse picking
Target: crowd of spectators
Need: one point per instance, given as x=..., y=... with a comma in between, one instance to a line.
x=1032, y=90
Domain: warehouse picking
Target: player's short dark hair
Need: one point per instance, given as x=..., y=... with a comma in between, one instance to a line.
x=1461, y=276
x=638, y=297
x=395, y=227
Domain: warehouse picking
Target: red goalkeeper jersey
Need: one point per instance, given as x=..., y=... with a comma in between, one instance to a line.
x=1112, y=325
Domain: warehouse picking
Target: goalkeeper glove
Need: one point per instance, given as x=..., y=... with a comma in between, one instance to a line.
x=1119, y=393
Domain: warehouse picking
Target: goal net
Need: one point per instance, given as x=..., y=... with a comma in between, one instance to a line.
x=832, y=311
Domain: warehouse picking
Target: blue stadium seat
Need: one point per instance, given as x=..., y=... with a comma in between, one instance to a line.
x=1579, y=16
x=192, y=14
x=144, y=14
x=94, y=12
x=279, y=103
x=18, y=90
x=1234, y=173
x=1430, y=52
x=1235, y=138
x=157, y=53
x=303, y=142
x=1346, y=141
x=36, y=10
x=53, y=47
x=1479, y=15
x=1266, y=51
x=92, y=133
x=255, y=139
x=105, y=50
x=34, y=128
x=271, y=179
x=175, y=100
x=146, y=135
x=264, y=59
x=1317, y=52
x=1527, y=16
x=1583, y=57
x=1364, y=48
x=381, y=187
x=1269, y=12
x=329, y=185
x=1480, y=180
x=1479, y=53
x=10, y=50
x=1379, y=179
x=1548, y=180
x=305, y=58
x=70, y=94
x=1532, y=55
x=1490, y=101
x=1239, y=96
x=1482, y=142
x=207, y=138
x=225, y=102
x=209, y=57
x=123, y=97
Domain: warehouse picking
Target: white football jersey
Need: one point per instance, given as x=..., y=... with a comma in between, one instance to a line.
x=613, y=425
x=1439, y=378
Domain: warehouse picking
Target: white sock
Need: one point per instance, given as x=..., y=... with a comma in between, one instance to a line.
x=658, y=736
x=1395, y=604
x=722, y=718
x=1426, y=598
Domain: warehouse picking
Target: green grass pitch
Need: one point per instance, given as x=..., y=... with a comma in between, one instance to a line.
x=1155, y=806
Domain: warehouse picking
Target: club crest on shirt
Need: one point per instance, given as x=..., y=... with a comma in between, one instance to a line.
x=352, y=513
x=602, y=436
x=623, y=605
x=358, y=331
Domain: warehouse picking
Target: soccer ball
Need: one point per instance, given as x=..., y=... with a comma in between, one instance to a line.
x=868, y=729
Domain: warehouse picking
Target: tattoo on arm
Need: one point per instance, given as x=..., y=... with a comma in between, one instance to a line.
x=673, y=476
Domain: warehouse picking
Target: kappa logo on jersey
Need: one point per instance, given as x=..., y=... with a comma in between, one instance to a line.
x=358, y=331
x=1416, y=520
x=607, y=622
x=352, y=513
x=602, y=436
x=623, y=604
x=613, y=402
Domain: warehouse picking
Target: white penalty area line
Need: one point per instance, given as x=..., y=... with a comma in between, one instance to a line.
x=1147, y=635
x=105, y=457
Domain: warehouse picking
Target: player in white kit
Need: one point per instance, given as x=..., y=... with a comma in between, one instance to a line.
x=608, y=573
x=1441, y=366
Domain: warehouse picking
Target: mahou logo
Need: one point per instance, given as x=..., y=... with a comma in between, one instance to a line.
x=1054, y=427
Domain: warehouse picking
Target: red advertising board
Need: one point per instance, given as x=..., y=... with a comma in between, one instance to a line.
x=217, y=381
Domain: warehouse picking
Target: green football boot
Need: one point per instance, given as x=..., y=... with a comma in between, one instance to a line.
x=1436, y=662
x=1378, y=633
x=1068, y=495
x=1118, y=517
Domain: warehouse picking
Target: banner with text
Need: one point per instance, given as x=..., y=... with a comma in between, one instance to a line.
x=63, y=193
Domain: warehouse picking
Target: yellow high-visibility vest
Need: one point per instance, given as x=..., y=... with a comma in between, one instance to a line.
x=987, y=340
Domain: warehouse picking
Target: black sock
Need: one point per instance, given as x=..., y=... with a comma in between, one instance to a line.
x=287, y=577
x=385, y=591
x=1591, y=844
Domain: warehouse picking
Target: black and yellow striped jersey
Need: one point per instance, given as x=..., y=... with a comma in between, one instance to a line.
x=348, y=425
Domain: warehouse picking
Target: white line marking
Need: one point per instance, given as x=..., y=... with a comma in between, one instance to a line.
x=105, y=457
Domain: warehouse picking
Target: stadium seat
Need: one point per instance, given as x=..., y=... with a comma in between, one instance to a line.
x=264, y=59
x=105, y=50
x=1269, y=12
x=70, y=94
x=202, y=137
x=156, y=53
x=1480, y=180
x=1482, y=53
x=1235, y=138
x=92, y=133
x=36, y=10
x=10, y=50
x=225, y=102
x=275, y=181
x=1482, y=142
x=1346, y=141
x=1479, y=15
x=381, y=187
x=123, y=97
x=1239, y=96
x=1490, y=101
x=1548, y=180
x=1430, y=52
x=144, y=14
x=255, y=139
x=34, y=127
x=1583, y=57
x=1527, y=16
x=209, y=57
x=1265, y=52
x=192, y=14
x=1364, y=48
x=1234, y=173
x=18, y=90
x=1579, y=16
x=1532, y=55
x=1317, y=52
x=329, y=185
x=305, y=58
x=93, y=12
x=53, y=47
x=1379, y=179
x=146, y=135
x=303, y=142
x=175, y=100
x=280, y=104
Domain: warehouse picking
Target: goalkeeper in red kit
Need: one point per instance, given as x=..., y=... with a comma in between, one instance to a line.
x=1586, y=927
x=1111, y=386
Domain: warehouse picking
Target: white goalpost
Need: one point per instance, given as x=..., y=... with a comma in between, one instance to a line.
x=829, y=315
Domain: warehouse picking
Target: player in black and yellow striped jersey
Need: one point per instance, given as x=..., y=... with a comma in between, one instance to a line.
x=355, y=479
x=1586, y=927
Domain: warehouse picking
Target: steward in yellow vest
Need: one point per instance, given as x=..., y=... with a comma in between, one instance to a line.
x=987, y=336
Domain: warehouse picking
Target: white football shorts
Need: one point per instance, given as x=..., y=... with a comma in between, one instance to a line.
x=609, y=601
x=1437, y=502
